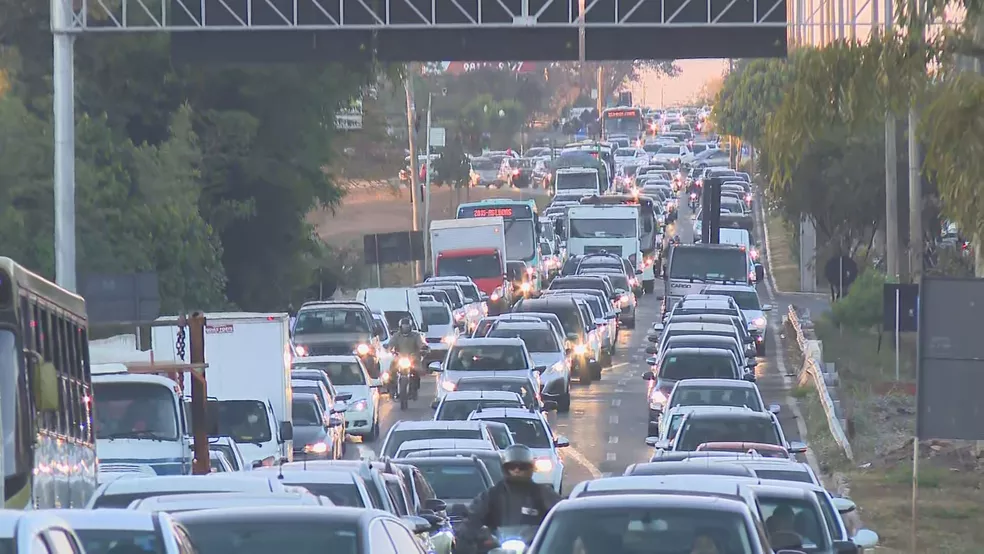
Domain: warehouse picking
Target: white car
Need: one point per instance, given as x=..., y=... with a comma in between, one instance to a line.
x=26, y=531
x=441, y=330
x=532, y=429
x=349, y=376
x=96, y=528
x=120, y=493
x=748, y=302
x=671, y=154
x=421, y=445
x=483, y=357
x=189, y=502
x=549, y=357
x=458, y=405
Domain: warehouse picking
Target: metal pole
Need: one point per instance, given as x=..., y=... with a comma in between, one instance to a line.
x=63, y=80
x=414, y=182
x=891, y=197
x=840, y=277
x=580, y=32
x=199, y=394
x=898, y=325
x=915, y=493
x=427, y=188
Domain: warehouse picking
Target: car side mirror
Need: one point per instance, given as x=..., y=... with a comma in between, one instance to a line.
x=797, y=447
x=434, y=366
x=335, y=421
x=435, y=505
x=775, y=409
x=651, y=360
x=759, y=273
x=750, y=377
x=766, y=307
x=286, y=431
x=638, y=272
x=649, y=375
x=540, y=368
x=843, y=505
x=417, y=524
x=652, y=338
x=652, y=349
x=658, y=326
x=343, y=397
x=549, y=406
x=751, y=364
x=845, y=547
x=865, y=538
x=562, y=442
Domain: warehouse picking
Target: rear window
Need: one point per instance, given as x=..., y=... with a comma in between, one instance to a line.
x=697, y=366
x=459, y=410
x=436, y=315
x=486, y=358
x=537, y=340
x=697, y=431
x=399, y=437
x=341, y=494
x=716, y=396
x=454, y=481
x=524, y=391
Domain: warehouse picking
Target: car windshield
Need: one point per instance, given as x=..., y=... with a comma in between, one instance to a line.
x=696, y=366
x=243, y=420
x=454, y=480
x=129, y=410
x=332, y=320
x=537, y=340
x=575, y=181
x=306, y=413
x=479, y=266
x=483, y=163
x=528, y=431
x=747, y=300
x=669, y=150
x=459, y=410
x=262, y=535
x=793, y=523
x=520, y=240
x=524, y=391
x=118, y=541
x=436, y=315
x=489, y=357
x=602, y=228
x=625, y=152
x=709, y=264
x=341, y=494
x=340, y=374
x=716, y=396
x=619, y=280
x=619, y=530
x=400, y=436
x=470, y=291
x=697, y=431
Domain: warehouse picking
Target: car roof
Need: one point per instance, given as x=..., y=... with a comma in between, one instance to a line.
x=297, y=476
x=489, y=341
x=445, y=444
x=507, y=413
x=705, y=408
x=698, y=351
x=698, y=326
x=464, y=453
x=683, y=501
x=730, y=383
x=333, y=358
x=229, y=482
x=409, y=425
x=520, y=325
x=481, y=395
x=313, y=514
x=689, y=467
x=195, y=501
x=738, y=412
x=106, y=518
x=441, y=460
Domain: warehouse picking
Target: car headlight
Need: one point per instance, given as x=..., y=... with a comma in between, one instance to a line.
x=657, y=400
x=624, y=300
x=515, y=546
x=360, y=406
x=759, y=323
x=543, y=465
x=580, y=349
x=301, y=350
x=448, y=386
x=363, y=350
x=316, y=448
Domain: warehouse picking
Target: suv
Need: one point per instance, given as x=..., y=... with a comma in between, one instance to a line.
x=331, y=328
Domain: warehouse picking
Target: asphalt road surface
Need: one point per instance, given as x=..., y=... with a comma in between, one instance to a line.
x=607, y=422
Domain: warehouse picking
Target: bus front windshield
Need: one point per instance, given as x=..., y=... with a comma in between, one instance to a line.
x=708, y=264
x=623, y=125
x=602, y=228
x=132, y=410
x=520, y=240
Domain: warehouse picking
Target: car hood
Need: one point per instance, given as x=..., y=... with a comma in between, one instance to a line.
x=358, y=392
x=307, y=434
x=547, y=358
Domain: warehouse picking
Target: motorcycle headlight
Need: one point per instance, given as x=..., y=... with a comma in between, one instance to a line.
x=543, y=465
x=362, y=350
x=657, y=400
x=513, y=545
x=580, y=349
x=404, y=363
x=316, y=448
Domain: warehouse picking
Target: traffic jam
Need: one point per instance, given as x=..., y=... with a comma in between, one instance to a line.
x=442, y=418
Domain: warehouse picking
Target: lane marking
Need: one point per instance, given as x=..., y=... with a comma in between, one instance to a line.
x=613, y=420
x=583, y=462
x=613, y=439
x=616, y=366
x=616, y=402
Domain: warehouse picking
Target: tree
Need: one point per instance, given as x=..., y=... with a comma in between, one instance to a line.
x=453, y=165
x=749, y=95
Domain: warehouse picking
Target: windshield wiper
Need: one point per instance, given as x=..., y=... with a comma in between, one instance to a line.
x=136, y=435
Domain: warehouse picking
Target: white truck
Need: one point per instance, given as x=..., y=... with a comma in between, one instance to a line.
x=140, y=423
x=583, y=181
x=604, y=228
x=249, y=356
x=476, y=248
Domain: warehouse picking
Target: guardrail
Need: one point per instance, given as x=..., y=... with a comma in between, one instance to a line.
x=823, y=378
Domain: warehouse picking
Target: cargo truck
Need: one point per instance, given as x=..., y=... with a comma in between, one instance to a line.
x=474, y=248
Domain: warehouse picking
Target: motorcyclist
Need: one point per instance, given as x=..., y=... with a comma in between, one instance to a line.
x=407, y=342
x=516, y=501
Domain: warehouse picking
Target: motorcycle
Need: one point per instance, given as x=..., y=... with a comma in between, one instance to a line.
x=693, y=201
x=406, y=382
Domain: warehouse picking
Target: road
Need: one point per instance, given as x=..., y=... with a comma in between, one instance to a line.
x=607, y=422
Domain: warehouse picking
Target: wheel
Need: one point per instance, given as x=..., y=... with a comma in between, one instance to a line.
x=596, y=371
x=564, y=402
x=760, y=348
x=404, y=393
x=606, y=359
x=585, y=373
x=373, y=433
x=649, y=286
x=652, y=430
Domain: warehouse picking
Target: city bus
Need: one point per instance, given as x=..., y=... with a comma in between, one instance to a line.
x=624, y=121
x=49, y=453
x=522, y=228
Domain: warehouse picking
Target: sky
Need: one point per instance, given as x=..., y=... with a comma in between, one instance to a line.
x=655, y=90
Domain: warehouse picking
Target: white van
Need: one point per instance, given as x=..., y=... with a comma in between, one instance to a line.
x=395, y=304
x=741, y=238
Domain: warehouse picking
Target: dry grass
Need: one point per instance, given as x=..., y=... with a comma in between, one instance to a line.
x=785, y=269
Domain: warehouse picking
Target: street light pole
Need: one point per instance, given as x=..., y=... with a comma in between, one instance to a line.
x=63, y=81
x=411, y=117
x=427, y=189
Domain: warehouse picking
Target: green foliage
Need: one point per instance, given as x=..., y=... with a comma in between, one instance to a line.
x=453, y=166
x=749, y=95
x=953, y=128
x=501, y=120
x=862, y=307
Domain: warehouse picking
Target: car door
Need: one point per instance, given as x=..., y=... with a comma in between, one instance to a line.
x=403, y=539
x=379, y=540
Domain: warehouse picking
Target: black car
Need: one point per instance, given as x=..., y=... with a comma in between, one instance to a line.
x=335, y=328
x=520, y=172
x=576, y=329
x=523, y=386
x=454, y=479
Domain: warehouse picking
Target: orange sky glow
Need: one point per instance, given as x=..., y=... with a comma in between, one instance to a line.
x=656, y=91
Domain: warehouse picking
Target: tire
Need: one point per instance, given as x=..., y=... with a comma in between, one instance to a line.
x=564, y=401
x=652, y=430
x=585, y=373
x=404, y=393
x=373, y=433
x=649, y=286
x=606, y=359
x=760, y=349
x=596, y=371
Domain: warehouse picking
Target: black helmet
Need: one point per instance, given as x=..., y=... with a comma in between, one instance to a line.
x=405, y=324
x=517, y=455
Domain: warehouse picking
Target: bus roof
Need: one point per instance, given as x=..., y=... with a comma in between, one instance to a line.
x=43, y=288
x=501, y=202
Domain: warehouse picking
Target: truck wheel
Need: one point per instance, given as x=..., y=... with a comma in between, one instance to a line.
x=649, y=286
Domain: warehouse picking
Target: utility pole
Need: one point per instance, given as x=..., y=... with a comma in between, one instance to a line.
x=199, y=394
x=63, y=81
x=601, y=90
x=892, y=250
x=414, y=182
x=427, y=188
x=916, y=241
